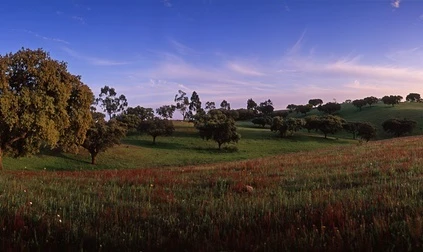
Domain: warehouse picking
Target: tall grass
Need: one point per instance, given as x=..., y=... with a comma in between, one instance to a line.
x=365, y=197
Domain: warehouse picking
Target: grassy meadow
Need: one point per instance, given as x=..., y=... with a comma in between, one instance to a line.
x=266, y=193
x=183, y=148
x=360, y=197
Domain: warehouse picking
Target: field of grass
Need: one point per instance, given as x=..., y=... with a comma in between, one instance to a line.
x=378, y=113
x=347, y=198
x=185, y=147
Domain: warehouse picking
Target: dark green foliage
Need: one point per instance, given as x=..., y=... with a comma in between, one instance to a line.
x=371, y=100
x=102, y=135
x=291, y=107
x=110, y=101
x=287, y=126
x=217, y=126
x=392, y=99
x=182, y=103
x=311, y=123
x=41, y=104
x=132, y=117
x=266, y=107
x=413, y=97
x=157, y=127
x=166, y=111
x=359, y=103
x=263, y=121
x=281, y=113
x=315, y=102
x=245, y=114
x=195, y=103
x=251, y=105
x=365, y=130
x=326, y=124
x=399, y=127
x=330, y=107
x=210, y=105
x=303, y=109
x=225, y=105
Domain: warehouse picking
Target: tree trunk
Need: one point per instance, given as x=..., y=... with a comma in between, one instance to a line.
x=220, y=144
x=93, y=156
x=1, y=159
x=154, y=140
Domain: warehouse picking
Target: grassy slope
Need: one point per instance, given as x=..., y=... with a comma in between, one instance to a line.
x=351, y=198
x=185, y=147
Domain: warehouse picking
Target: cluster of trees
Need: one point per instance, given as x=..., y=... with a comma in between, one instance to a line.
x=359, y=103
x=43, y=105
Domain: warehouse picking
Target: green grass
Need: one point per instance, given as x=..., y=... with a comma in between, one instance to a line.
x=380, y=112
x=350, y=198
x=184, y=148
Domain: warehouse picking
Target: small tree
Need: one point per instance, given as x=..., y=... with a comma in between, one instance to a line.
x=392, y=99
x=102, y=135
x=182, y=103
x=399, y=127
x=217, y=126
x=315, y=102
x=366, y=131
x=371, y=100
x=413, y=97
x=266, y=107
x=225, y=105
x=359, y=103
x=166, y=111
x=263, y=120
x=330, y=124
x=210, y=105
x=291, y=107
x=251, y=105
x=330, y=107
x=111, y=103
x=303, y=109
x=285, y=126
x=311, y=123
x=157, y=127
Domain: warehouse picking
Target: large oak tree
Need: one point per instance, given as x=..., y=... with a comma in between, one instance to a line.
x=41, y=104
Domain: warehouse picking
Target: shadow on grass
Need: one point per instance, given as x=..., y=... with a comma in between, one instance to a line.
x=158, y=145
x=60, y=154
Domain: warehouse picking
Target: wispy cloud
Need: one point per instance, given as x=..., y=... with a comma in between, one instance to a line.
x=181, y=48
x=167, y=3
x=245, y=70
x=395, y=3
x=45, y=38
x=94, y=60
x=79, y=19
x=297, y=46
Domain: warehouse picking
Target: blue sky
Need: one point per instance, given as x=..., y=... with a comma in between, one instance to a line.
x=287, y=50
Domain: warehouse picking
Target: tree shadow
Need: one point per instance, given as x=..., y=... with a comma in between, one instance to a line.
x=158, y=145
x=61, y=154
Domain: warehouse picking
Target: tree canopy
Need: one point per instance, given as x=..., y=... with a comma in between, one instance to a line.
x=359, y=103
x=157, y=127
x=413, y=97
x=330, y=107
x=110, y=102
x=392, y=99
x=41, y=104
x=217, y=126
x=399, y=127
x=102, y=135
x=315, y=102
x=182, y=103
